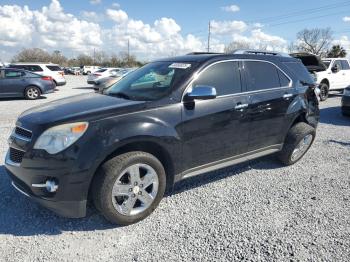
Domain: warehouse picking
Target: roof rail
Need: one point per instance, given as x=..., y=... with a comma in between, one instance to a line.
x=258, y=52
x=204, y=53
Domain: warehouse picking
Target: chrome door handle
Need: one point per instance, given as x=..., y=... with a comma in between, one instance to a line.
x=241, y=106
x=286, y=96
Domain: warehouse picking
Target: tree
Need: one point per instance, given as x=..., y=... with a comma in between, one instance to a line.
x=58, y=58
x=315, y=41
x=32, y=55
x=237, y=44
x=337, y=51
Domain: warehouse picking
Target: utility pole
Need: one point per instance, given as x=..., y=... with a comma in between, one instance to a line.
x=209, y=32
x=128, y=51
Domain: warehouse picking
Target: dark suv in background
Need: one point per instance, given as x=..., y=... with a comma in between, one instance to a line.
x=169, y=120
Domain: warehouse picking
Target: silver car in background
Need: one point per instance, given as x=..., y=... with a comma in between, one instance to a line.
x=93, y=78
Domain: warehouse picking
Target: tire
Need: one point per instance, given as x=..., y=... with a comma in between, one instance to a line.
x=300, y=135
x=114, y=188
x=324, y=88
x=32, y=93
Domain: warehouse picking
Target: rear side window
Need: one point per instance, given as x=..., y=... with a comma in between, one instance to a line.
x=224, y=76
x=13, y=73
x=299, y=71
x=101, y=70
x=54, y=68
x=260, y=75
x=345, y=65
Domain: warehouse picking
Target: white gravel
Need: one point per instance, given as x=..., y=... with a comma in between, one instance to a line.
x=257, y=211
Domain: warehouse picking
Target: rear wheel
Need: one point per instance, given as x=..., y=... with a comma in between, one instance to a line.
x=324, y=91
x=298, y=141
x=129, y=187
x=32, y=93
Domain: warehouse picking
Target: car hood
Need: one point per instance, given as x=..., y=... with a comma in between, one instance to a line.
x=86, y=107
x=312, y=62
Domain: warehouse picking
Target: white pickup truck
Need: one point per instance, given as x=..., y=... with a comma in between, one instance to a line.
x=329, y=73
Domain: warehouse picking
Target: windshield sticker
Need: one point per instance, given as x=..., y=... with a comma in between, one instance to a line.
x=180, y=66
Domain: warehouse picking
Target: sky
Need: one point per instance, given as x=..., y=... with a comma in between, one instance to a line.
x=158, y=28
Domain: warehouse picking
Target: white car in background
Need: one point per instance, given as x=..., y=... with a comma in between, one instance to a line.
x=102, y=73
x=329, y=73
x=53, y=70
x=86, y=70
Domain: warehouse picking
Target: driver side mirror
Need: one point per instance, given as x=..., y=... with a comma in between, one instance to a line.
x=201, y=93
x=335, y=69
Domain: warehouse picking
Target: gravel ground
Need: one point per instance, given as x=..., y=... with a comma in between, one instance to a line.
x=257, y=211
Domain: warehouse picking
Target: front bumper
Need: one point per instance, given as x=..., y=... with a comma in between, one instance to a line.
x=68, y=201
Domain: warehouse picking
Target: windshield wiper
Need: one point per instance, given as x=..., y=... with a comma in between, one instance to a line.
x=120, y=94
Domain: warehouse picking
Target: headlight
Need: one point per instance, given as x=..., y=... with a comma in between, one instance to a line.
x=58, y=138
x=346, y=92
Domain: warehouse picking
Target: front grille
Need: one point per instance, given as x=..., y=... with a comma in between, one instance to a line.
x=16, y=156
x=23, y=132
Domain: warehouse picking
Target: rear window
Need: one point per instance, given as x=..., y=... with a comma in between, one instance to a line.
x=260, y=75
x=54, y=68
x=300, y=71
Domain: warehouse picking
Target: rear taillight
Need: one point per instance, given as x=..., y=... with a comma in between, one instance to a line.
x=48, y=78
x=61, y=73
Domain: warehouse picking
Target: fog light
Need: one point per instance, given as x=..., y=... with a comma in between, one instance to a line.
x=50, y=186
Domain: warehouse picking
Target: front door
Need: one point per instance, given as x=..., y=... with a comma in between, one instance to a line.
x=215, y=129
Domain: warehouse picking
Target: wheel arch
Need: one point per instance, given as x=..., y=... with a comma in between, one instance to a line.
x=326, y=81
x=147, y=146
x=32, y=85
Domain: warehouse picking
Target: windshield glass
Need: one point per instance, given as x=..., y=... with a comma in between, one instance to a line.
x=327, y=62
x=151, y=82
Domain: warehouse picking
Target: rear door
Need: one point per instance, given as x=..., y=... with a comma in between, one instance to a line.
x=215, y=129
x=345, y=73
x=270, y=94
x=13, y=82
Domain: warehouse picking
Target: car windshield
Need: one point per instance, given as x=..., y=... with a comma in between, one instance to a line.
x=151, y=82
x=326, y=62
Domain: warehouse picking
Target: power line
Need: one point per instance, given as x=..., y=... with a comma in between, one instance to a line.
x=307, y=19
x=302, y=12
x=209, y=35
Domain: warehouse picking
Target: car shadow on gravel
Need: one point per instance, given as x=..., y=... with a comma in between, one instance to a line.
x=19, y=216
x=333, y=116
x=6, y=99
x=84, y=88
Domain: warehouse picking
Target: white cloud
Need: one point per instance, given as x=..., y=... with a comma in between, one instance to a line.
x=116, y=5
x=346, y=18
x=95, y=2
x=118, y=16
x=231, y=8
x=228, y=27
x=49, y=27
x=52, y=28
x=258, y=25
x=91, y=16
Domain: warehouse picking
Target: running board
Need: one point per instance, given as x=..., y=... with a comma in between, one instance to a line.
x=229, y=162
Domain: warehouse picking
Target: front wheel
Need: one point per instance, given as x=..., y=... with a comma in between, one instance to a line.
x=298, y=141
x=32, y=93
x=129, y=187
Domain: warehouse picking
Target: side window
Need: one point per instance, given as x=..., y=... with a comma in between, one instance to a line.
x=13, y=74
x=345, y=65
x=338, y=64
x=224, y=76
x=284, y=80
x=33, y=68
x=260, y=75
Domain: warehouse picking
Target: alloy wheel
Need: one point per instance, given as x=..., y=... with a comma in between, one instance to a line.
x=33, y=93
x=135, y=189
x=302, y=147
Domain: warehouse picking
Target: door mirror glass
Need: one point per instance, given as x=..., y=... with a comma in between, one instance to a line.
x=335, y=68
x=201, y=92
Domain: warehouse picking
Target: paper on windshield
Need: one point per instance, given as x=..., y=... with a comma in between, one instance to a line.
x=180, y=65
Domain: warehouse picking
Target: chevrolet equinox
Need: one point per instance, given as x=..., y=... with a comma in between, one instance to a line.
x=167, y=121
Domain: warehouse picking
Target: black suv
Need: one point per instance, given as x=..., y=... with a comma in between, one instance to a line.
x=169, y=120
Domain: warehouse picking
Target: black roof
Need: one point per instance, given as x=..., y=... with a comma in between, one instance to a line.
x=204, y=57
